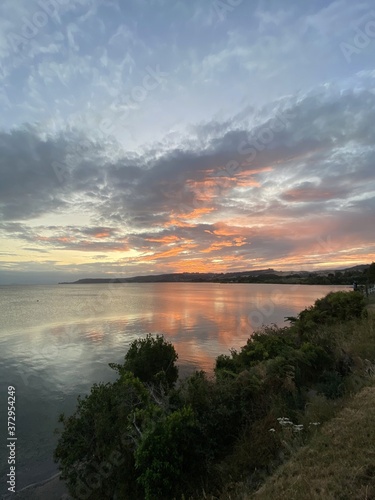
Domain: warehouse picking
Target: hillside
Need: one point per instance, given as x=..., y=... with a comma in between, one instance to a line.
x=326, y=277
x=339, y=461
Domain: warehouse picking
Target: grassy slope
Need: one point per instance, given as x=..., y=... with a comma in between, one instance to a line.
x=339, y=461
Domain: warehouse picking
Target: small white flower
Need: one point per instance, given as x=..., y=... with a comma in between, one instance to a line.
x=297, y=428
x=272, y=430
x=283, y=421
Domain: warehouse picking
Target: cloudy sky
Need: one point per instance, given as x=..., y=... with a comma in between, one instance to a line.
x=152, y=136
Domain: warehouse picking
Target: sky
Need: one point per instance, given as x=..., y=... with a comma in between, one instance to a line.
x=155, y=136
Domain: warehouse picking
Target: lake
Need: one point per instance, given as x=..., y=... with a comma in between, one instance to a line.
x=56, y=341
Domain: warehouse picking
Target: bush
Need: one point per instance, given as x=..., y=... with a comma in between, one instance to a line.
x=333, y=308
x=152, y=360
x=95, y=449
x=170, y=459
x=143, y=436
x=331, y=385
x=264, y=344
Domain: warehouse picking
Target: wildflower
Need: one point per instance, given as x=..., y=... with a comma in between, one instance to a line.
x=283, y=421
x=297, y=428
x=272, y=430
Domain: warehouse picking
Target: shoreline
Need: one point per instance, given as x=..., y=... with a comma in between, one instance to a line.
x=51, y=488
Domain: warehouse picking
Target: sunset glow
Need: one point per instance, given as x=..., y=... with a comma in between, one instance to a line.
x=158, y=137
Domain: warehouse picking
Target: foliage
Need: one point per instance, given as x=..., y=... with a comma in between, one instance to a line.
x=143, y=436
x=96, y=447
x=152, y=360
x=169, y=454
x=370, y=274
x=334, y=307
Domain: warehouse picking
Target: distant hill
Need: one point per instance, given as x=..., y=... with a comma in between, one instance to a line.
x=335, y=276
x=360, y=267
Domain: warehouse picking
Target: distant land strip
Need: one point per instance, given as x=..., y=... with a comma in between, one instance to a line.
x=326, y=277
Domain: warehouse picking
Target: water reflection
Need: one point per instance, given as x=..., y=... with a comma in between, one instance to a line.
x=83, y=325
x=55, y=342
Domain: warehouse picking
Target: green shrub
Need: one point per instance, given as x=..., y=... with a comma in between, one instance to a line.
x=95, y=448
x=152, y=360
x=334, y=307
x=227, y=365
x=170, y=458
x=144, y=436
x=312, y=360
x=331, y=385
x=266, y=344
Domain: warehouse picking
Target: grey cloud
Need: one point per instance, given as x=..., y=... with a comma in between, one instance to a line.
x=307, y=192
x=326, y=135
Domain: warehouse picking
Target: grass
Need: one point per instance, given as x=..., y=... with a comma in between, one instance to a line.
x=338, y=463
x=337, y=458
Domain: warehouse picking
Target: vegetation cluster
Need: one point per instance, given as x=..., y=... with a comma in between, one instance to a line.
x=362, y=274
x=365, y=276
x=151, y=436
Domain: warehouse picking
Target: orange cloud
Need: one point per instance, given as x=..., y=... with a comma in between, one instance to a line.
x=178, y=223
x=236, y=242
x=164, y=239
x=223, y=229
x=247, y=183
x=169, y=253
x=219, y=265
x=179, y=220
x=198, y=212
x=250, y=171
x=102, y=235
x=64, y=239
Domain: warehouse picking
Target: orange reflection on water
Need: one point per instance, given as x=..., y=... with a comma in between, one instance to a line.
x=204, y=320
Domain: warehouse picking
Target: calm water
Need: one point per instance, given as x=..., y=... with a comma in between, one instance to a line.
x=56, y=341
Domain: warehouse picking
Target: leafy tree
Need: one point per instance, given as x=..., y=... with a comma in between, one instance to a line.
x=95, y=448
x=169, y=458
x=152, y=360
